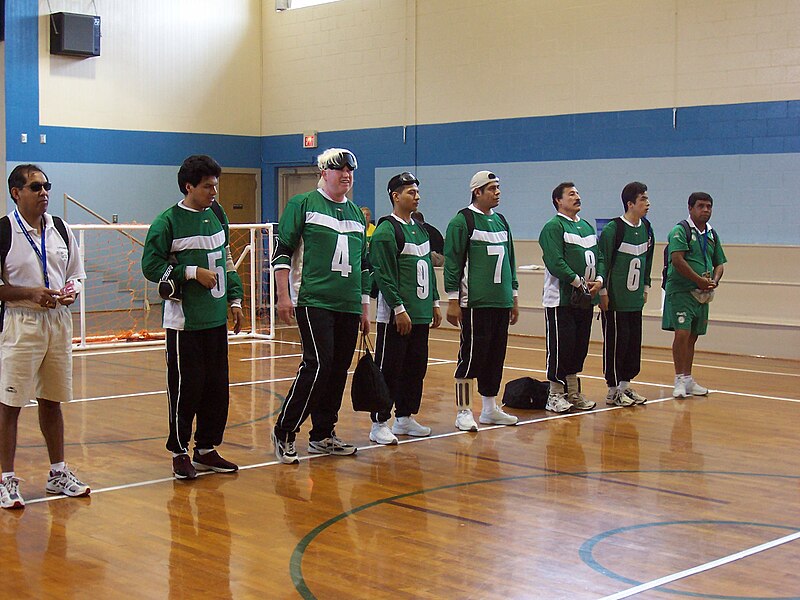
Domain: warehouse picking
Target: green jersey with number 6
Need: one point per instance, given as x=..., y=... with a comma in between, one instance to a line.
x=324, y=245
x=480, y=266
x=194, y=238
x=628, y=277
x=569, y=249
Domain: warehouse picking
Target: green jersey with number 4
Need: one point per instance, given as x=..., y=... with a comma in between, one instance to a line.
x=324, y=245
x=195, y=238
x=569, y=249
x=627, y=278
x=480, y=266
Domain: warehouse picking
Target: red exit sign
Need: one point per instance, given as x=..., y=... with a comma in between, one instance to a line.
x=310, y=139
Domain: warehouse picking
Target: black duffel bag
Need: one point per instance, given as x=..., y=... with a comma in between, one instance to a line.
x=369, y=391
x=527, y=393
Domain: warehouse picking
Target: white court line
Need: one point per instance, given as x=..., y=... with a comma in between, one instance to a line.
x=705, y=567
x=651, y=360
x=271, y=357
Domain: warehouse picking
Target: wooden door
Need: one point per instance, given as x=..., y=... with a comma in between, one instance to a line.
x=238, y=196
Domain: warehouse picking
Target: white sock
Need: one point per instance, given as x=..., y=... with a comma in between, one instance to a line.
x=612, y=390
x=556, y=387
x=623, y=385
x=58, y=467
x=489, y=404
x=688, y=378
x=7, y=474
x=204, y=451
x=177, y=454
x=678, y=378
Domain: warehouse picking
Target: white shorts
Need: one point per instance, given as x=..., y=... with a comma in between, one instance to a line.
x=36, y=356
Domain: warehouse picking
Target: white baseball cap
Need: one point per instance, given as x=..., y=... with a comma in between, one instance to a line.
x=481, y=178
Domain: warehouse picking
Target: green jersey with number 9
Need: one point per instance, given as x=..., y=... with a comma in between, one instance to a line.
x=323, y=243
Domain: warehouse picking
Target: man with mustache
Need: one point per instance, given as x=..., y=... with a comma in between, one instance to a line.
x=571, y=282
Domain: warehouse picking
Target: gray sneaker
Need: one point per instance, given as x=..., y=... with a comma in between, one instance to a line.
x=285, y=451
x=635, y=396
x=333, y=445
x=617, y=398
x=581, y=402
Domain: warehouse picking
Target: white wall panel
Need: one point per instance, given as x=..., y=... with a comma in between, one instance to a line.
x=372, y=63
x=165, y=65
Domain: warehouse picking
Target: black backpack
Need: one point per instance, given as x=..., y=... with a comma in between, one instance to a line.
x=687, y=229
x=5, y=246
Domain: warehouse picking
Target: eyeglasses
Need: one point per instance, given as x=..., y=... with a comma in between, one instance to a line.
x=342, y=160
x=37, y=186
x=400, y=180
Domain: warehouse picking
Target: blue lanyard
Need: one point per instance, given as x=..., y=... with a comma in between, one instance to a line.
x=42, y=254
x=704, y=237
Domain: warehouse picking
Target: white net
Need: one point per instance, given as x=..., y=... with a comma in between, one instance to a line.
x=119, y=306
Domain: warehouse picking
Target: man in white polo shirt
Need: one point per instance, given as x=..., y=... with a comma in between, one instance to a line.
x=42, y=272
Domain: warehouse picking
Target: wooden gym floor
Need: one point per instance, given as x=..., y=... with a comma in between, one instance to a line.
x=678, y=498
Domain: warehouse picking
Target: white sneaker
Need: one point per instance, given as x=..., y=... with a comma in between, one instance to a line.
x=558, y=403
x=695, y=389
x=65, y=482
x=333, y=445
x=381, y=434
x=465, y=421
x=409, y=426
x=9, y=493
x=497, y=417
x=679, y=391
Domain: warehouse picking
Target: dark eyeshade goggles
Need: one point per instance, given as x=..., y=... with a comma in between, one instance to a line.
x=342, y=160
x=399, y=181
x=37, y=186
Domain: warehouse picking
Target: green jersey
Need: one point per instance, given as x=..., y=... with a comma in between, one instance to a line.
x=193, y=238
x=569, y=251
x=479, y=266
x=324, y=245
x=628, y=278
x=703, y=254
x=405, y=278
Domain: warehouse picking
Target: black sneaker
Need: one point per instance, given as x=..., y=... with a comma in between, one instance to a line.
x=182, y=467
x=212, y=461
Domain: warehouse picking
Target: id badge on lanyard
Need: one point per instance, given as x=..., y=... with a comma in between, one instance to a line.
x=41, y=254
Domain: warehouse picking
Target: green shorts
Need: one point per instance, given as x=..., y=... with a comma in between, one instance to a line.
x=682, y=311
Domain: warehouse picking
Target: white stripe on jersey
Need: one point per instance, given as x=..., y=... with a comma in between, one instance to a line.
x=633, y=249
x=333, y=223
x=416, y=249
x=493, y=237
x=199, y=242
x=585, y=242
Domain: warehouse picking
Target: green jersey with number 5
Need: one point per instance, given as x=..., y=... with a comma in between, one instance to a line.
x=195, y=238
x=480, y=265
x=569, y=249
x=324, y=245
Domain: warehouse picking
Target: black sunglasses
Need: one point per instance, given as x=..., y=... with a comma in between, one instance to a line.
x=342, y=160
x=37, y=186
x=399, y=181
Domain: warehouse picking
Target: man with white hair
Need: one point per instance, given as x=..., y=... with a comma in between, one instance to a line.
x=322, y=280
x=481, y=284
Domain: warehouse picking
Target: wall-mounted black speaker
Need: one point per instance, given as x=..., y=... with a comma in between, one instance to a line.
x=74, y=35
